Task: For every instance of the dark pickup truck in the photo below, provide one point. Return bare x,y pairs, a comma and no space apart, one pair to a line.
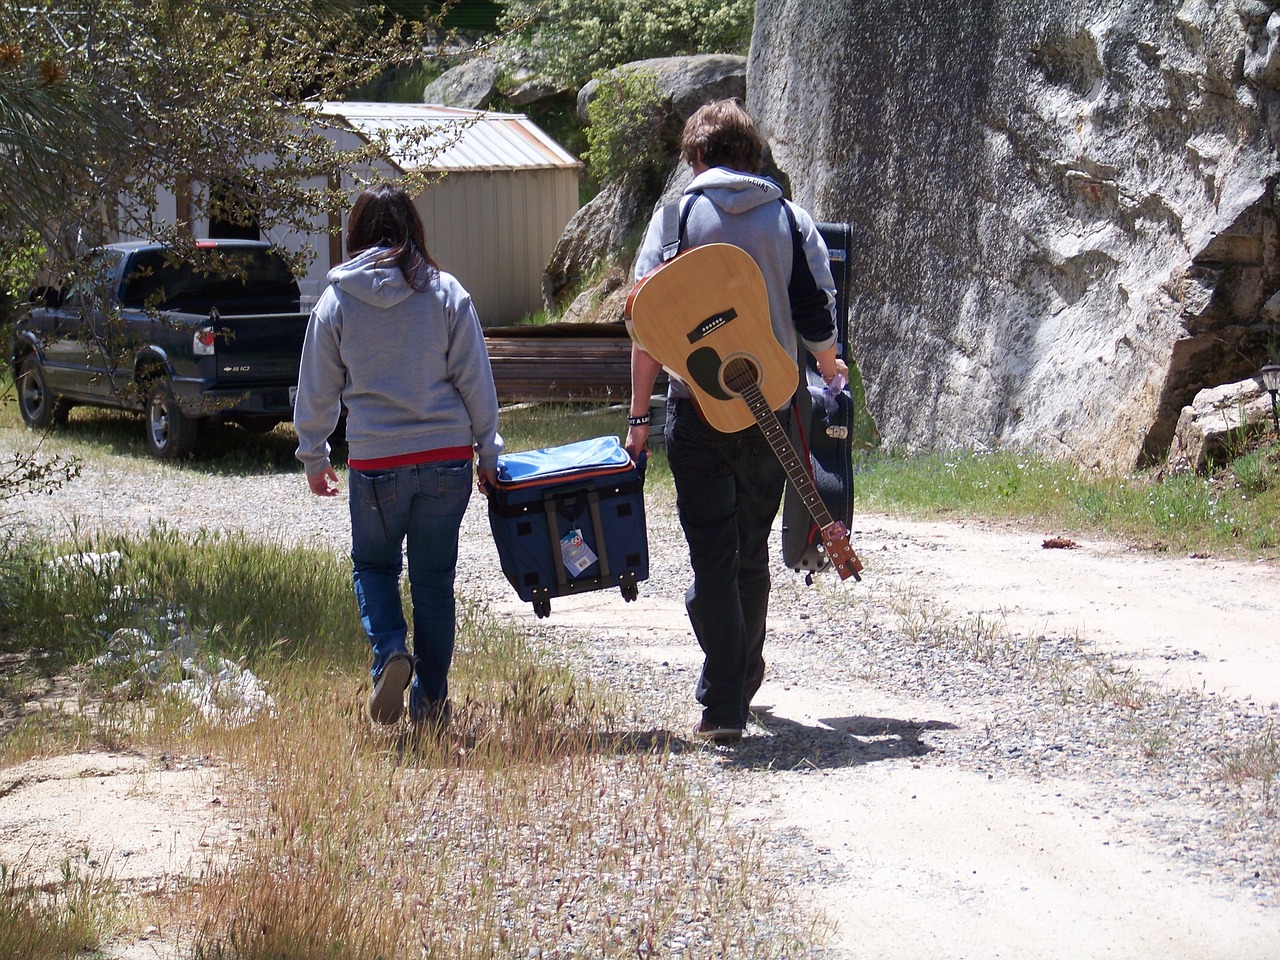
140,331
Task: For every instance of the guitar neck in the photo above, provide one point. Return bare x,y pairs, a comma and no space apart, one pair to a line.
785,451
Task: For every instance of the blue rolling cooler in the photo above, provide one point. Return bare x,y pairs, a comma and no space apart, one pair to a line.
570,519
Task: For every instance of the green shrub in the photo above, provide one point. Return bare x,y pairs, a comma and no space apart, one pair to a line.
568,41
20,260
626,138
1257,472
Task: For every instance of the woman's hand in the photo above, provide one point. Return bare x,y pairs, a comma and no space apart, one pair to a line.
324,483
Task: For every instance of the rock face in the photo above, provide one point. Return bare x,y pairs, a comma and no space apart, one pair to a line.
594,236
608,228
1218,423
472,85
688,82
605,231
1065,210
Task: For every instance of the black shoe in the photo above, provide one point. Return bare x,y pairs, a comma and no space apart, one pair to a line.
386,703
716,732
431,718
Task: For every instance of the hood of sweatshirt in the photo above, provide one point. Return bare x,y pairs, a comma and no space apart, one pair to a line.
377,284
733,191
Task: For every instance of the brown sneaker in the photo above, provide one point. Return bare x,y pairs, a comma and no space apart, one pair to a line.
386,703
716,733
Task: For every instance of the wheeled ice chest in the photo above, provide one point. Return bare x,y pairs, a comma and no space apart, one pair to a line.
570,519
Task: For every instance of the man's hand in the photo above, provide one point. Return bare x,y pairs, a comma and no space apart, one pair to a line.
324,483
487,480
830,366
637,441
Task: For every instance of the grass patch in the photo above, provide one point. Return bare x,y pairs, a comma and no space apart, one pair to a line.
1234,511
53,921
538,822
536,825
93,625
95,435
256,597
1257,762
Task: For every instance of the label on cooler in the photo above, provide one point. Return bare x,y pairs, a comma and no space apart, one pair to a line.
577,555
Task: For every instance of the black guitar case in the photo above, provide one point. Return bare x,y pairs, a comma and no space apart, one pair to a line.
825,436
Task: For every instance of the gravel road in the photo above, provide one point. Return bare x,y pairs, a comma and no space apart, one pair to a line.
986,748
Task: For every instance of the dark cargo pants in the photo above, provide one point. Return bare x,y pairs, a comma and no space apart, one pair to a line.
728,489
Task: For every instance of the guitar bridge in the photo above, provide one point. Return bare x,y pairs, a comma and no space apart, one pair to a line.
711,324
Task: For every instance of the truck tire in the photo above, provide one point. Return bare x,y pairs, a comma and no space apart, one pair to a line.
39,406
171,434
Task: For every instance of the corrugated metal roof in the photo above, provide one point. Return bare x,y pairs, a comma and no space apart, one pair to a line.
451,138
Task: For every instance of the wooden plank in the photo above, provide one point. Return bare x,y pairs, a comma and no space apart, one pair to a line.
561,362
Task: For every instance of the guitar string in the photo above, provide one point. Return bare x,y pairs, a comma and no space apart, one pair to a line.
740,377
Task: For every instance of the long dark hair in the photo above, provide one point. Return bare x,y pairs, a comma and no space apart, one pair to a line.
384,216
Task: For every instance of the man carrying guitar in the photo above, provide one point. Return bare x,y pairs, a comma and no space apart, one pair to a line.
729,485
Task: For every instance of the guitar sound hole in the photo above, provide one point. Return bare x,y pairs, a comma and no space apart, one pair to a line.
740,373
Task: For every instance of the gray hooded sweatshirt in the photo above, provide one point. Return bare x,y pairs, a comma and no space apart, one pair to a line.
726,206
410,367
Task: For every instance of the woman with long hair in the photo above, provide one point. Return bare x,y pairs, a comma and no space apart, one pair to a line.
397,342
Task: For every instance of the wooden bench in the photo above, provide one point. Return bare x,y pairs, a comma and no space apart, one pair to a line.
589,362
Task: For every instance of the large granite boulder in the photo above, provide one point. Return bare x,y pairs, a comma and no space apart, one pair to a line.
606,230
1065,211
687,82
472,85
594,237
1218,425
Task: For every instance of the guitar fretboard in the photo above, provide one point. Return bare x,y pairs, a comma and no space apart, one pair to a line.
740,377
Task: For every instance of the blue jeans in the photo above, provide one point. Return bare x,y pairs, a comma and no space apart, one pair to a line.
424,505
728,490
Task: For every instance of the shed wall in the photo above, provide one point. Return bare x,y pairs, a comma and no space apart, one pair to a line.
496,230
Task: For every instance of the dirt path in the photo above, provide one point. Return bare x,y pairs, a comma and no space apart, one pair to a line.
944,862
932,853
1179,620
937,814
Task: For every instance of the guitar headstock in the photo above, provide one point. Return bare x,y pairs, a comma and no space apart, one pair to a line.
835,538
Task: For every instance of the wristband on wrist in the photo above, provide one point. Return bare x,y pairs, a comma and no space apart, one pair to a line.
640,421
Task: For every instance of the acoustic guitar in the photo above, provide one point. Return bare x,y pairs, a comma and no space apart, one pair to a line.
704,315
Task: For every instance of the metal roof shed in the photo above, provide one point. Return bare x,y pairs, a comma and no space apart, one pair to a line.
496,214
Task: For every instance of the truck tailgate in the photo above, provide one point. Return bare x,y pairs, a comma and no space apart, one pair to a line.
259,349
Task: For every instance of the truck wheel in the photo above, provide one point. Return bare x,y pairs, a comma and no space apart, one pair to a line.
171,434
39,406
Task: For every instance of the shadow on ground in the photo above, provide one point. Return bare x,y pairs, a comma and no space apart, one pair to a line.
778,743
